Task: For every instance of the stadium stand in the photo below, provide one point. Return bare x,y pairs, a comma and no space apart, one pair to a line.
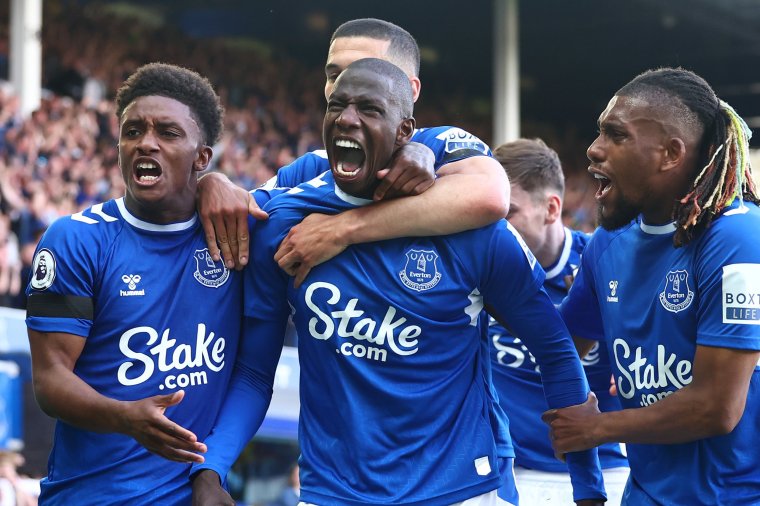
62,158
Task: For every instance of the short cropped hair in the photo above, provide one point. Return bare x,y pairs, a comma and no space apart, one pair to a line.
401,92
402,50
531,164
180,84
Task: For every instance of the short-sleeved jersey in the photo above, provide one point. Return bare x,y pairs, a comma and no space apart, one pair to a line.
449,144
163,316
655,304
395,400
517,377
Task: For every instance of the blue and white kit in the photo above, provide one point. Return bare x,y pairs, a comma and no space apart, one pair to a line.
517,378
158,315
395,387
656,304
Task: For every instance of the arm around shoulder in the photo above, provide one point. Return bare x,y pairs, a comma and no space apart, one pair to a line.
469,193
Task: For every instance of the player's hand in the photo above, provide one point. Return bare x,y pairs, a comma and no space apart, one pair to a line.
208,491
570,428
411,171
316,239
613,386
224,209
145,421
591,502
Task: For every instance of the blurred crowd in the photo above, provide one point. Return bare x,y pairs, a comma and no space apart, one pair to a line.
62,158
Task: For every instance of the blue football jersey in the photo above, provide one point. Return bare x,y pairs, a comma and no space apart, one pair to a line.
517,377
164,316
396,405
449,144
655,304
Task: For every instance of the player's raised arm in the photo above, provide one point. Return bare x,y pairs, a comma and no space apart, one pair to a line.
62,394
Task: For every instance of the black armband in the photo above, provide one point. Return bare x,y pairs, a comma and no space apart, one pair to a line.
53,305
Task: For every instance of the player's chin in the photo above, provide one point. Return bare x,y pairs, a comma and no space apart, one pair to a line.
148,194
611,217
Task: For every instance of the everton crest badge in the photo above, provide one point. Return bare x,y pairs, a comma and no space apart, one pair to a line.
676,296
421,270
208,272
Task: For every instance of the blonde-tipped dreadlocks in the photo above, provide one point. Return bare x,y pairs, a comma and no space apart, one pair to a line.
725,173
726,177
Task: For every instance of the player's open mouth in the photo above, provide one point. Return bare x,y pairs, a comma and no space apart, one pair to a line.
147,172
604,186
349,157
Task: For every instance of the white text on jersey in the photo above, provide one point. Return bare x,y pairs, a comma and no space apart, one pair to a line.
648,376
182,356
363,329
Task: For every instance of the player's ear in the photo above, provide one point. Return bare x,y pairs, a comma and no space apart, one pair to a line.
405,131
416,87
553,208
203,159
674,153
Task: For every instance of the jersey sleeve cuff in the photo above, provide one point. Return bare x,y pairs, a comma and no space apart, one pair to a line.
738,342
76,327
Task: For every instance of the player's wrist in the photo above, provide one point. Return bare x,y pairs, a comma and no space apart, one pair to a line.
350,227
599,432
212,177
206,476
120,420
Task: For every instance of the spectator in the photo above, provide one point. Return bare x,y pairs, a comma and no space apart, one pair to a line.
291,493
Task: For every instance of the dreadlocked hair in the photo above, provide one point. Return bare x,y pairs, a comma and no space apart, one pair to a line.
724,172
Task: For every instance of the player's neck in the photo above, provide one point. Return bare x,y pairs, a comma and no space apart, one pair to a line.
551,250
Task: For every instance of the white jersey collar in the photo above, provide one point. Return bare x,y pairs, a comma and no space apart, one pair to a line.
345,197
563,257
668,228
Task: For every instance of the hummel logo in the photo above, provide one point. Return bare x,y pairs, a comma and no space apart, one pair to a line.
612,297
131,280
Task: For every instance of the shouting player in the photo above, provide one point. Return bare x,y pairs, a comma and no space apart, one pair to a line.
459,159
671,282
395,387
133,326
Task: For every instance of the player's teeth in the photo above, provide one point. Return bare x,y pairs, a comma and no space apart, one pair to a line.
345,143
148,178
146,166
339,170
